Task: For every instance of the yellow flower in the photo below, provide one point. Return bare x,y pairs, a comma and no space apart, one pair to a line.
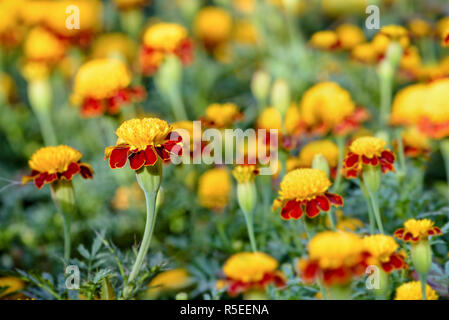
244,6
222,115
390,33
213,26
368,146
112,45
292,119
412,291
168,281
130,4
7,88
408,104
364,53
13,284
303,184
417,230
349,36
333,250
415,142
345,223
380,246
435,113
419,28
125,197
324,40
326,104
42,46
249,267
337,7
270,118
164,36
245,32
214,187
325,147
245,173
54,159
100,79
140,133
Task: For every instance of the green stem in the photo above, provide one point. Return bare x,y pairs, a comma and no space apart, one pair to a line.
444,147
402,169
46,127
67,242
178,108
331,218
250,228
423,280
375,204
386,87
341,153
150,199
371,216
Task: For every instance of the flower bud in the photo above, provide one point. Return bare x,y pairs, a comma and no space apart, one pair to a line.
169,74
255,295
382,291
371,177
385,69
260,85
421,256
182,296
40,95
280,96
320,162
63,195
394,54
247,196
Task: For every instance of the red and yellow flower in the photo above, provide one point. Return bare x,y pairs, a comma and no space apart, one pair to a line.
382,250
367,151
412,291
305,190
416,230
345,37
162,39
334,258
103,86
221,115
142,142
247,271
415,143
50,164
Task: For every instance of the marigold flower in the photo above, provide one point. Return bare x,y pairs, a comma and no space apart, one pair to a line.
50,164
214,188
114,45
245,173
382,250
390,33
408,104
435,114
326,106
168,281
245,32
142,141
131,4
349,36
415,143
102,86
419,28
194,138
251,270
325,147
213,26
364,53
221,115
417,230
306,190
366,151
41,46
12,285
8,90
11,32
412,291
335,258
325,40
161,39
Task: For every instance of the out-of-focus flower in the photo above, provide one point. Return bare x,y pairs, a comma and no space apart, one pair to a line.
415,143
169,281
382,250
221,115
102,86
42,50
419,28
324,40
214,188
412,291
194,137
367,151
245,32
270,119
12,285
328,107
50,164
408,104
244,6
334,258
345,223
162,39
390,33
417,230
11,31
213,26
125,197
305,190
247,271
434,120
131,4
245,173
364,53
142,141
345,37
338,8
325,147
8,90
114,45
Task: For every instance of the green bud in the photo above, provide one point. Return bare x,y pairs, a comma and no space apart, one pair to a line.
382,291
260,85
247,196
63,196
320,162
182,296
40,95
280,96
149,177
385,69
421,256
371,178
394,54
255,295
169,73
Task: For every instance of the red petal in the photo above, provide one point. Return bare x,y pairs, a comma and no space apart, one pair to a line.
312,209
351,160
323,203
399,233
387,156
150,156
366,160
137,160
163,154
334,199
73,169
40,180
86,171
292,209
118,157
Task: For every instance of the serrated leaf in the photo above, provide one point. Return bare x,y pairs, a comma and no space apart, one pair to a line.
83,252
